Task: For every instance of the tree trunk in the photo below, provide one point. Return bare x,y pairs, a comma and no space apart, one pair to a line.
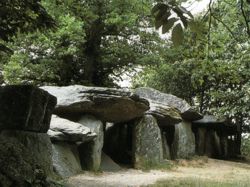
92,49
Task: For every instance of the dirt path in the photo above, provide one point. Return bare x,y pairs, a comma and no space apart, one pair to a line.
199,169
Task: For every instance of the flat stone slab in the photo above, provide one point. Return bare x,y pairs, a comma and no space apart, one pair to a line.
107,104
210,120
65,130
186,111
25,107
164,114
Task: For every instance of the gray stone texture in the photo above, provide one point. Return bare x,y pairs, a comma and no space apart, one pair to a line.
147,143
25,107
107,164
107,104
164,114
65,158
186,111
65,130
91,152
25,159
184,140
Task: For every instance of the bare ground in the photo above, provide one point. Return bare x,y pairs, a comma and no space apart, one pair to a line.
204,169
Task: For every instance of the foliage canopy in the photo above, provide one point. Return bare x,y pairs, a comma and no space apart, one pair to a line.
21,16
94,43
210,69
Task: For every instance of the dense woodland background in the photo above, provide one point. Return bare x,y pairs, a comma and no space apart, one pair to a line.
205,60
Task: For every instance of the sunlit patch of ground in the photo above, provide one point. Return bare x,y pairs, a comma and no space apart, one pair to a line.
195,172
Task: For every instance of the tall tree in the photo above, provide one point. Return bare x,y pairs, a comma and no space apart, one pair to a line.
96,41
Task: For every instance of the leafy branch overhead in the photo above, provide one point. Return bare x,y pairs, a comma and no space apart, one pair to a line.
172,16
21,16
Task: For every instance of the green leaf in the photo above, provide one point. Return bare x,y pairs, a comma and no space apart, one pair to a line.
180,14
159,14
168,25
177,35
158,24
185,11
159,7
196,26
159,21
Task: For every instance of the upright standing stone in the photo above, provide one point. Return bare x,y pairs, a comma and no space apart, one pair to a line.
25,148
184,141
200,141
25,158
91,152
212,146
224,146
147,143
217,146
65,158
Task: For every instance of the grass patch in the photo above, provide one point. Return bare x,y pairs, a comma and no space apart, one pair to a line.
196,161
192,182
164,165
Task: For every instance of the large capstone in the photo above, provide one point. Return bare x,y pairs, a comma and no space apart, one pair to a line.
187,112
25,107
184,140
68,131
25,159
147,143
106,104
66,160
91,152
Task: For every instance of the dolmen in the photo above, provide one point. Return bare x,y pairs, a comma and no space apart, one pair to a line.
56,132
174,117
216,137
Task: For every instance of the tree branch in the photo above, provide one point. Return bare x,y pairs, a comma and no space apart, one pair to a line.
245,17
209,27
229,30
